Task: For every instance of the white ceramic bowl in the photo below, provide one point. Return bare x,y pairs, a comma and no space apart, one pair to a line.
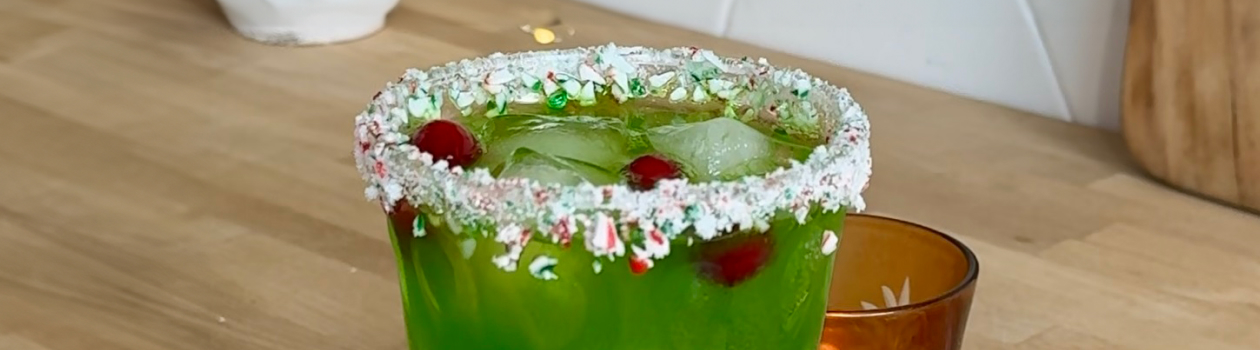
306,22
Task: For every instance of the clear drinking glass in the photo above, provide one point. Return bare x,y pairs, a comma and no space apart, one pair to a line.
523,217
899,286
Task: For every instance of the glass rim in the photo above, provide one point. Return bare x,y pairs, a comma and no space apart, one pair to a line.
833,177
967,281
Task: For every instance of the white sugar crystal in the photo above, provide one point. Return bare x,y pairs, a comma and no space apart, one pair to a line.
509,234
660,80
719,85
587,73
706,227
833,175
508,261
542,267
620,78
393,192
678,94
699,96
829,242
613,58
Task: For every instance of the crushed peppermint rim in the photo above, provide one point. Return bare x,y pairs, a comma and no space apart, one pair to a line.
609,218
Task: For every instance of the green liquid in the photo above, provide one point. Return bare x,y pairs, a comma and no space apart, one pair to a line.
454,301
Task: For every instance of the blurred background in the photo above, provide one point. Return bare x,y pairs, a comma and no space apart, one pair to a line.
1061,59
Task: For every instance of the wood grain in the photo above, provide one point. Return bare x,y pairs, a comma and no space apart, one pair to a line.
1246,78
1191,81
166,184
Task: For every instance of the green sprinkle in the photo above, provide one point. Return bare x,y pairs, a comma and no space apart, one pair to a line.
701,71
636,235
497,105
558,99
417,226
691,212
435,103
636,87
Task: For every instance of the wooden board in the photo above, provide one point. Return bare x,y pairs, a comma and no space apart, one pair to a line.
1191,102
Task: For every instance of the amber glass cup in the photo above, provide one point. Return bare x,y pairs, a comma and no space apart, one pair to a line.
898,285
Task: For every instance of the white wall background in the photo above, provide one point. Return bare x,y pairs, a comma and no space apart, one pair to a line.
1058,58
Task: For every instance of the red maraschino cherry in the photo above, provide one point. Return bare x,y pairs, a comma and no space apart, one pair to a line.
639,265
732,262
449,141
644,172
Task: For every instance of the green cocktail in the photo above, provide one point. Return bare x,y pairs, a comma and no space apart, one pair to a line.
613,198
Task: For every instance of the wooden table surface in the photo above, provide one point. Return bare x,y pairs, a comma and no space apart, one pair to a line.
166,184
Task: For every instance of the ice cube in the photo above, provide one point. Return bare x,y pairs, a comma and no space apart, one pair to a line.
721,149
549,169
593,140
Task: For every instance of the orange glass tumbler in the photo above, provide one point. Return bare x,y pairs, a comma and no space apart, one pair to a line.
898,285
